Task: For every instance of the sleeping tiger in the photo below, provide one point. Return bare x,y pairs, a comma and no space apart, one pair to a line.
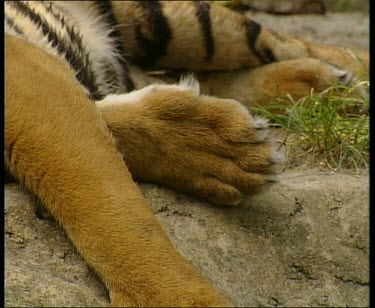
84,123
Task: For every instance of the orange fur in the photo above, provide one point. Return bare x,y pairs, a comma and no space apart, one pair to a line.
63,152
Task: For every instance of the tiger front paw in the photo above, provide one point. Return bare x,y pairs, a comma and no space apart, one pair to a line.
201,145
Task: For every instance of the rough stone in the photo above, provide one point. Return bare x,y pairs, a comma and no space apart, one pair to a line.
304,242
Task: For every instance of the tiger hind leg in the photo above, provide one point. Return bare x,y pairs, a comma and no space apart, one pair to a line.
203,36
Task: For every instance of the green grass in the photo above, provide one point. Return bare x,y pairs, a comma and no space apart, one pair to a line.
324,127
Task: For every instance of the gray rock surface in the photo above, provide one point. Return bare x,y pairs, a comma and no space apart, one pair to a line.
337,29
304,242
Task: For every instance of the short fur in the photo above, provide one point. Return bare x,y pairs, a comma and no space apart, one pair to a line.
69,151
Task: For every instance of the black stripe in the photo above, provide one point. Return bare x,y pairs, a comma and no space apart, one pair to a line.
48,7
78,60
253,30
106,10
12,25
113,77
203,13
114,80
154,47
268,55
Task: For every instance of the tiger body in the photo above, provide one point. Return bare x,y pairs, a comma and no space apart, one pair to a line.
75,113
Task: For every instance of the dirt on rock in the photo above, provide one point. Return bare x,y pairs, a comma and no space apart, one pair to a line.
303,242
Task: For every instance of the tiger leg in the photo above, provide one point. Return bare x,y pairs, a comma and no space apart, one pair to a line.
60,149
204,36
262,85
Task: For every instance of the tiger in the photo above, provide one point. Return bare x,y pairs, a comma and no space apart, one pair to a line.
84,123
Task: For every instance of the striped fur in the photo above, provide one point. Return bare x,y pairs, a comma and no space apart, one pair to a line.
154,46
252,33
203,13
88,37
99,38
88,43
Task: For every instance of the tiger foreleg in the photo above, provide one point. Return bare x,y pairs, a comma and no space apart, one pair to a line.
59,148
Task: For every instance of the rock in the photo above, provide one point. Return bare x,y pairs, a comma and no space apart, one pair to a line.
304,242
